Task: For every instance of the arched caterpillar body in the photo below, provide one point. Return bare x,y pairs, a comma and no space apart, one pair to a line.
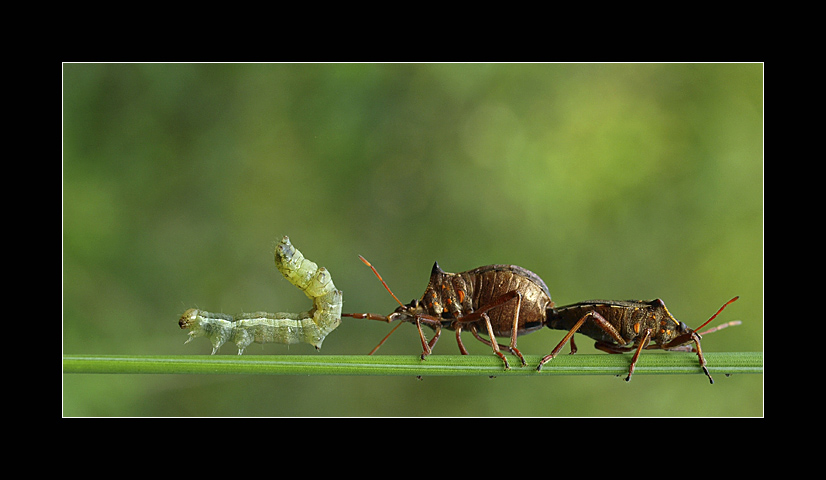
282,327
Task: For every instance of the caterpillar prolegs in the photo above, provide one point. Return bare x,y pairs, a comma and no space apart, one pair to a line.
262,327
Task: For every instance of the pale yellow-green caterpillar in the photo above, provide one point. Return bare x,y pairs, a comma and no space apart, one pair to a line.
262,327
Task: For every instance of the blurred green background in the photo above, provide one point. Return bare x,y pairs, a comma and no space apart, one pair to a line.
619,181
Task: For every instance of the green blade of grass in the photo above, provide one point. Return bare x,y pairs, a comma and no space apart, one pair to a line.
599,364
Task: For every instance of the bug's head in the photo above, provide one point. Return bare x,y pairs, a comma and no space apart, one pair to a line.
684,334
405,313
682,341
669,327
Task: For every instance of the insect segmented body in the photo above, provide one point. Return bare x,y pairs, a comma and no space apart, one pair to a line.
623,326
500,300
283,327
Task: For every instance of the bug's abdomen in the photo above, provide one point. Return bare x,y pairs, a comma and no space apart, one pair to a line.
488,283
621,315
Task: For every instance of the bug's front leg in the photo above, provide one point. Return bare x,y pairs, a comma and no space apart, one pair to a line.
681,344
427,347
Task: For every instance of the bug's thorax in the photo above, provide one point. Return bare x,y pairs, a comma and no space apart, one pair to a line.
441,298
669,327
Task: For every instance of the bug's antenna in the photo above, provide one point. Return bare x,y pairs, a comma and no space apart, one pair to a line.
733,323
718,313
382,282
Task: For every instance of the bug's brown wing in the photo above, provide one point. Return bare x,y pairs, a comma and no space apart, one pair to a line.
514,269
492,281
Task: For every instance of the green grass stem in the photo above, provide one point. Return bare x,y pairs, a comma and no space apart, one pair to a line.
665,363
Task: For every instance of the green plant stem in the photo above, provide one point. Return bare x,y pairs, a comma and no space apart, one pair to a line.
598,364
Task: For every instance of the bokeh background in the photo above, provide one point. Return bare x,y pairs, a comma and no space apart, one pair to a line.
618,181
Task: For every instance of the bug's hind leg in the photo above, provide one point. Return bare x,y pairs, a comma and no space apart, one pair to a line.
493,344
598,319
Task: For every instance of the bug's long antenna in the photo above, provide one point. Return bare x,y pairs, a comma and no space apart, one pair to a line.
720,327
718,313
382,282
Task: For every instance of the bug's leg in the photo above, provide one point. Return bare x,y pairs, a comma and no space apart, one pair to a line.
481,313
512,347
687,347
475,333
435,338
701,357
679,348
427,347
493,343
459,339
561,344
216,344
703,363
646,337
614,348
676,344
598,319
384,339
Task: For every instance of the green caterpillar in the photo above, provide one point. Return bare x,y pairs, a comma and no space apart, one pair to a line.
281,327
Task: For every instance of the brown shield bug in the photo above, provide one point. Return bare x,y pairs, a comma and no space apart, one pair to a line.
500,300
623,326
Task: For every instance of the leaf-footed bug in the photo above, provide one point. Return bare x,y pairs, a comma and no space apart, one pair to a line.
504,300
622,326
